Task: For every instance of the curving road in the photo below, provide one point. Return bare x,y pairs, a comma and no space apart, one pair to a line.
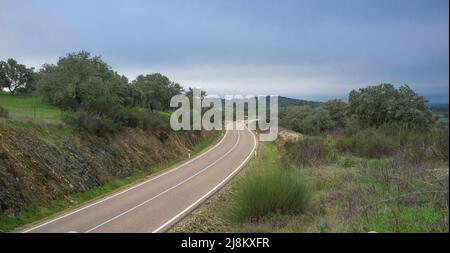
159,202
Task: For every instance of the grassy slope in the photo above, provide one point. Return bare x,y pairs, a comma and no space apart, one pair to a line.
34,213
29,108
25,107
351,195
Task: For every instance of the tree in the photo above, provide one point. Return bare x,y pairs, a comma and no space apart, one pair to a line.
81,82
15,76
156,90
377,105
337,110
190,94
307,120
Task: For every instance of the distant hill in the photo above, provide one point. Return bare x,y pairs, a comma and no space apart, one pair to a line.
438,107
285,101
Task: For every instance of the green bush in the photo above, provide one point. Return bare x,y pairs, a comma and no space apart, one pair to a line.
441,142
4,113
102,125
369,143
268,191
309,151
427,146
307,120
146,120
93,123
391,139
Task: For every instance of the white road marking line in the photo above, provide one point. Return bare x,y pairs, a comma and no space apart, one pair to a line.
126,190
212,191
167,190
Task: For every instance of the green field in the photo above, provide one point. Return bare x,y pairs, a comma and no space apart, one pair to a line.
442,118
25,108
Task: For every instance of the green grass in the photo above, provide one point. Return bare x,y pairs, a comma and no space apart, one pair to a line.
26,108
352,194
404,219
162,113
268,191
204,143
362,195
219,213
165,114
34,213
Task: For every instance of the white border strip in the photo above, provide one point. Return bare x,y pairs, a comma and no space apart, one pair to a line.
128,189
168,224
167,190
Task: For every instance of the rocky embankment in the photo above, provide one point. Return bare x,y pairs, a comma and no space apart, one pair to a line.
39,164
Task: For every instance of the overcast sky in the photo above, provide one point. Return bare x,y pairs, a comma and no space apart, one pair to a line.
303,49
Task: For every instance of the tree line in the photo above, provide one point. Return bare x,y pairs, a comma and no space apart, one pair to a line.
93,95
90,88
79,80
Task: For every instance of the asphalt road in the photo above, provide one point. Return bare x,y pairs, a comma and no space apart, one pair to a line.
159,202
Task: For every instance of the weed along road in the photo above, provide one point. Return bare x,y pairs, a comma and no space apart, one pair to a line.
157,203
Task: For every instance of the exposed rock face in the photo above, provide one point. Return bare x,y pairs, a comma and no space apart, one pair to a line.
43,163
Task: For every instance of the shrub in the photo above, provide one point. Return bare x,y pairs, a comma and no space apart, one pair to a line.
369,143
307,152
3,155
146,120
440,142
397,139
4,113
267,191
427,146
102,125
307,120
93,123
133,117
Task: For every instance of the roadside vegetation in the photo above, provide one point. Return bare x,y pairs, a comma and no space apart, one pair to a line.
13,219
85,92
222,211
377,163
4,113
269,190
76,130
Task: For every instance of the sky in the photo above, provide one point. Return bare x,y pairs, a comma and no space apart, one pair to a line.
315,50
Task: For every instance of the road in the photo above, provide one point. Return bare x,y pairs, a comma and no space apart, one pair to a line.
159,202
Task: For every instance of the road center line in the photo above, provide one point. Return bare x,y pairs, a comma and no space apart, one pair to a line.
169,189
212,191
128,189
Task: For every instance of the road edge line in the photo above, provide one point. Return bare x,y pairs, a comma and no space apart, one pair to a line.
81,208
164,227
